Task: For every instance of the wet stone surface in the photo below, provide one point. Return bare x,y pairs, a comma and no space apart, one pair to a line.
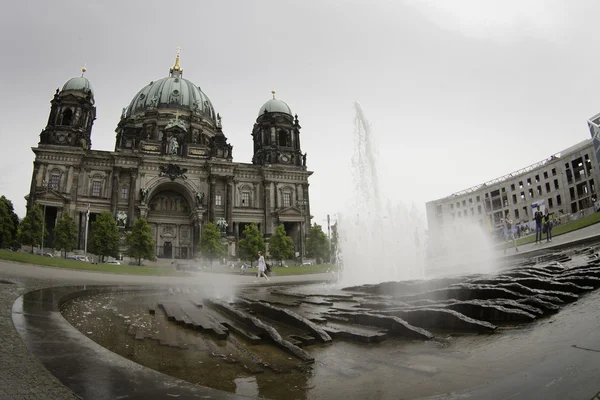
301,342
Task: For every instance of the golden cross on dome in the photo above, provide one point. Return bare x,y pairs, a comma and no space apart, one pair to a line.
273,92
83,69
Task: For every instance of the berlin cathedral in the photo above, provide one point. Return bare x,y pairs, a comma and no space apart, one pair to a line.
173,165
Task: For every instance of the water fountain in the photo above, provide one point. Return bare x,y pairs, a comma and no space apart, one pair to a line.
381,241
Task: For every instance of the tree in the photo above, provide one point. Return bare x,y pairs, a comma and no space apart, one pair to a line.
251,244
30,229
210,245
104,240
65,234
317,245
281,246
139,242
9,224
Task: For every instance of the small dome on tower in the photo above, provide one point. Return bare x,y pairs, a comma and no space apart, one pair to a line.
275,105
78,84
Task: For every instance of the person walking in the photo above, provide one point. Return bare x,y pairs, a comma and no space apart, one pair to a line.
548,225
538,225
509,233
261,267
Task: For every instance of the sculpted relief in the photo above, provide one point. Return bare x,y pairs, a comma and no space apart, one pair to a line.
169,201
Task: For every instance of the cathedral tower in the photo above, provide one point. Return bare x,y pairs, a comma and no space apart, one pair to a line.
276,136
72,114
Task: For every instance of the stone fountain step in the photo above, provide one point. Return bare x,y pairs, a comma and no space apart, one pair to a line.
240,329
274,300
494,313
464,291
265,330
537,283
553,296
355,333
290,318
189,315
405,287
392,324
441,318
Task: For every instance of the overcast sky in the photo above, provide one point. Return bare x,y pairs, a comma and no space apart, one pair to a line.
458,91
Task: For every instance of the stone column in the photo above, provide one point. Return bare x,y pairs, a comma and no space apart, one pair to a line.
267,205
34,180
212,194
132,191
229,205
306,209
75,185
114,200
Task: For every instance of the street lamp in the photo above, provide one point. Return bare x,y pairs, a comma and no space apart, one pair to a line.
302,204
46,187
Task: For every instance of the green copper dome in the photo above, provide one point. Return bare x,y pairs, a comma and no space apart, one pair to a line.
275,105
78,84
172,92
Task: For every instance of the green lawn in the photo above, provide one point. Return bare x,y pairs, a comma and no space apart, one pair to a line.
74,264
144,270
563,228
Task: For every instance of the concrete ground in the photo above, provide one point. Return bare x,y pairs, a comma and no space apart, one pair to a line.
22,376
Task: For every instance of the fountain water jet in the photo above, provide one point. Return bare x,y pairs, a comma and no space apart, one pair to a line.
379,241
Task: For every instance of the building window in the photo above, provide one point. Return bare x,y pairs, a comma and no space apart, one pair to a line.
514,199
537,179
545,175
516,213
512,187
522,195
556,184
54,181
287,199
479,210
452,206
553,171
547,187
528,181
471,200
464,203
96,188
520,184
550,202
218,200
478,199
457,204
531,193
123,193
558,200
539,190
245,199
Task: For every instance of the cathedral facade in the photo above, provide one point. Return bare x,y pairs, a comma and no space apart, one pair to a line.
173,165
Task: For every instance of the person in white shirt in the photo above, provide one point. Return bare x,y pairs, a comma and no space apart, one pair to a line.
261,266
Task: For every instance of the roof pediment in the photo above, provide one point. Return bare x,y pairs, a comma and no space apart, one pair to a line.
50,196
290,214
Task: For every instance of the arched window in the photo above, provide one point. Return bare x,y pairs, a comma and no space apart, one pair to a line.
283,138
67,116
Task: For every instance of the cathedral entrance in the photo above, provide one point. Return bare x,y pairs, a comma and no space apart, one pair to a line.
171,221
168,250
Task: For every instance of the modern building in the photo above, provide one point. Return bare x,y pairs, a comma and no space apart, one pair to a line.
173,165
564,183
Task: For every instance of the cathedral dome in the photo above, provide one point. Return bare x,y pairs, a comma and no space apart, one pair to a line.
275,105
78,84
172,92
